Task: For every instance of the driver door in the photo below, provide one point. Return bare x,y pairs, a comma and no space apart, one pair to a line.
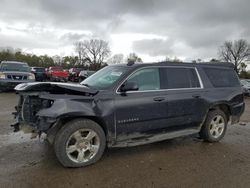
141,112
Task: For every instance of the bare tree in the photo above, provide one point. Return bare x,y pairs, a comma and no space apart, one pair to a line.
79,50
94,51
235,52
175,59
133,57
57,59
214,60
116,59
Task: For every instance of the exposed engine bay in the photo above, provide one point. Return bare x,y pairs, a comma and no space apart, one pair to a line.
26,112
33,98
28,106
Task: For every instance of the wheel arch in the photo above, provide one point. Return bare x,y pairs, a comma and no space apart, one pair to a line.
224,107
51,133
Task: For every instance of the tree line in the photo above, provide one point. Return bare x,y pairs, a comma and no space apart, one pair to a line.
236,52
93,54
10,54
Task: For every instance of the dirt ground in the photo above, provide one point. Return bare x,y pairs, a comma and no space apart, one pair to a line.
182,162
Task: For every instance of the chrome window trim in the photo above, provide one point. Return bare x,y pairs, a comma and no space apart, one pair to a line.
176,89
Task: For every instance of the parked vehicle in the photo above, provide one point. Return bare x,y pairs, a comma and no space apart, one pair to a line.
57,74
40,73
13,73
128,105
74,74
85,74
248,80
246,86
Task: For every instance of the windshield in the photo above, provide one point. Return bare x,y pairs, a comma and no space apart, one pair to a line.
39,69
15,67
105,77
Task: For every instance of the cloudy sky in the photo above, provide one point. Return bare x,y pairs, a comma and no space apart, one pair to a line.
153,29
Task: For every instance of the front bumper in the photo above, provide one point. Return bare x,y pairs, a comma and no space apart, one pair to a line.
6,85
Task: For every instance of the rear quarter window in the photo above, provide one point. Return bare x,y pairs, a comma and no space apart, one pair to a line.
222,77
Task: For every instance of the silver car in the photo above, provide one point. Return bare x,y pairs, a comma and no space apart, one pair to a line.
13,73
246,86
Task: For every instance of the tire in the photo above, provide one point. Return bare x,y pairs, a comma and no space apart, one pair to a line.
69,151
213,129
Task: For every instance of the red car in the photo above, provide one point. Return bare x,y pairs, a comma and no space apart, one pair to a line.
57,74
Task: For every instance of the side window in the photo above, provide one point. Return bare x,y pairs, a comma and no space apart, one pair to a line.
147,79
174,78
222,77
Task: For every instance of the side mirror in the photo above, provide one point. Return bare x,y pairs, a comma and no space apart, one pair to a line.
129,86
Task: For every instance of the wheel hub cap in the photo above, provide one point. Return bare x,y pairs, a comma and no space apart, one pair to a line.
217,126
82,145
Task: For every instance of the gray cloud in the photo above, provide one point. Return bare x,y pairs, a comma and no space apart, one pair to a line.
153,47
70,38
200,25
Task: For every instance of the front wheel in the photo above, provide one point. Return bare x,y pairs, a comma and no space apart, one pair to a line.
79,143
214,128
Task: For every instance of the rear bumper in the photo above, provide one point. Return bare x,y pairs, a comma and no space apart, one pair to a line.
237,110
40,77
11,84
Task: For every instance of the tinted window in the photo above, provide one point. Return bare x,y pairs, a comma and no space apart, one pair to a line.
39,69
15,67
173,78
147,79
222,77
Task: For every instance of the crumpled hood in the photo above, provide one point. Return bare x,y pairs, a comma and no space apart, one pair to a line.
56,88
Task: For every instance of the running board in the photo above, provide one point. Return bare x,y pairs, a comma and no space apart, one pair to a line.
147,139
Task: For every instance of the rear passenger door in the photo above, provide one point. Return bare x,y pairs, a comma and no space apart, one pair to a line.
183,90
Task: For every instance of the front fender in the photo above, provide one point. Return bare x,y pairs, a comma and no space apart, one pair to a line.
51,119
62,107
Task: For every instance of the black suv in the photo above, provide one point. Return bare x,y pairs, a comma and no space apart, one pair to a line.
128,105
40,73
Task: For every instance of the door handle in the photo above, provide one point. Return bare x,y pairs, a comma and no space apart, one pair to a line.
159,99
196,96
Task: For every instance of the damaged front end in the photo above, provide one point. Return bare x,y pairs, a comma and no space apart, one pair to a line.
26,117
35,111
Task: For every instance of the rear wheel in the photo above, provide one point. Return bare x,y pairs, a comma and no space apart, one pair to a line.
214,128
79,143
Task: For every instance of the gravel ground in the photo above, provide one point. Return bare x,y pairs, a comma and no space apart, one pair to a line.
182,162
